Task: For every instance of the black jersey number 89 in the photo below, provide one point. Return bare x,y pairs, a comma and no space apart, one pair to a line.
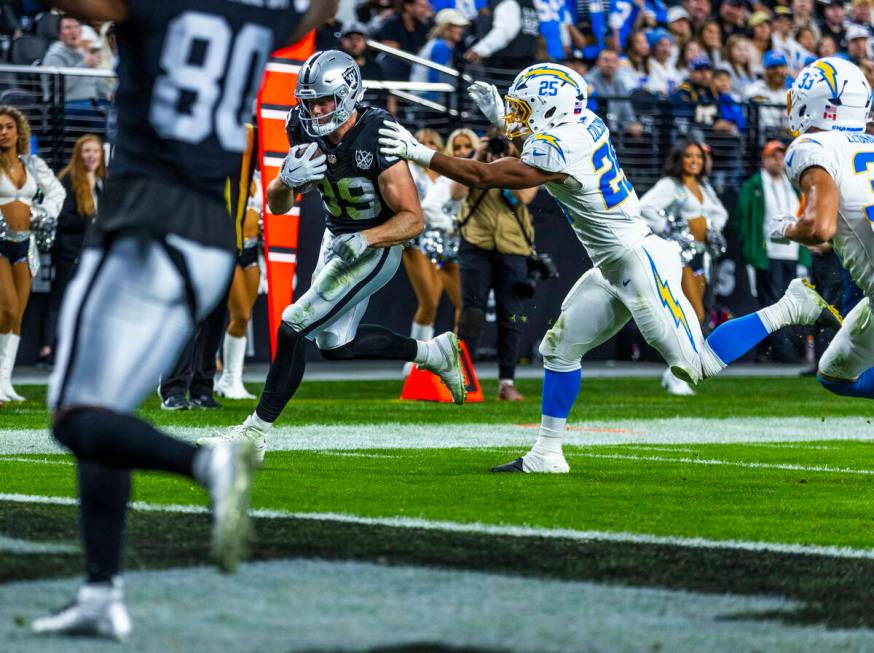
221,56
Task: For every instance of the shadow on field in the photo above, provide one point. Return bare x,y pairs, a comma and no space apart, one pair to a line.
836,592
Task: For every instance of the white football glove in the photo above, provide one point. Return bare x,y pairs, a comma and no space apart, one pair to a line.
396,140
300,169
777,228
349,247
488,99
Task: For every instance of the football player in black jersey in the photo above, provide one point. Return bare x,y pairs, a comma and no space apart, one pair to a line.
157,260
371,208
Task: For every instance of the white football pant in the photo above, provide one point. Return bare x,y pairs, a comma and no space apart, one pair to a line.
331,310
645,284
128,313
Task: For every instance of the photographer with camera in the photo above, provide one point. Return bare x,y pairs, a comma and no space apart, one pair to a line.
497,241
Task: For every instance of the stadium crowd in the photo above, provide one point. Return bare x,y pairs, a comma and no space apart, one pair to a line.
708,61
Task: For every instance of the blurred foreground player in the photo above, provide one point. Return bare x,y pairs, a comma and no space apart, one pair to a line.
371,208
158,259
831,162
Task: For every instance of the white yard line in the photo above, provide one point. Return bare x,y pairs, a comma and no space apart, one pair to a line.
731,463
493,529
682,431
38,461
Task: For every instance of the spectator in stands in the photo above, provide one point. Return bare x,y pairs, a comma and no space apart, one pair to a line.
730,109
805,38
679,25
82,180
699,11
636,61
784,37
737,63
448,32
373,14
768,194
607,82
432,272
328,35
760,37
555,19
802,11
827,47
663,76
625,16
511,40
732,18
408,31
22,178
771,93
67,52
684,192
833,23
691,49
85,104
497,233
711,41
857,46
354,43
860,14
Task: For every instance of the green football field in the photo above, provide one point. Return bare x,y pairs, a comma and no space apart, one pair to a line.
741,519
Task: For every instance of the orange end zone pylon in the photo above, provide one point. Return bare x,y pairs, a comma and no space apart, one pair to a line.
422,385
275,98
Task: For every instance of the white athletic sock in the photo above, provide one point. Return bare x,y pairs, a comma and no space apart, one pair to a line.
506,381
233,355
423,349
257,422
775,316
422,331
549,436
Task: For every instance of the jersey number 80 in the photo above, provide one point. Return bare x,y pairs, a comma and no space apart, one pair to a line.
222,56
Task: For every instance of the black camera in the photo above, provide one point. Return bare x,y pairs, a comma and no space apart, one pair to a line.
541,267
498,146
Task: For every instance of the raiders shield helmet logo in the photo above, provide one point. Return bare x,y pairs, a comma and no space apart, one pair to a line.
363,159
350,77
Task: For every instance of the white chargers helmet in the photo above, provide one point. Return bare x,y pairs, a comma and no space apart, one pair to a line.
329,73
544,96
829,94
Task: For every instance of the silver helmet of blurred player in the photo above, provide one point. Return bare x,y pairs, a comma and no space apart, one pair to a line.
328,74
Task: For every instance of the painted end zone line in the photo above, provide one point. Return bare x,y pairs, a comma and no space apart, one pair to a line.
490,529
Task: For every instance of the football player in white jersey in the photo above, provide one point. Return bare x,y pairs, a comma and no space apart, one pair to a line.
831,161
637,274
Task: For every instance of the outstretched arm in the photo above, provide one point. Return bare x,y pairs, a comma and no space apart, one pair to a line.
511,173
507,172
819,219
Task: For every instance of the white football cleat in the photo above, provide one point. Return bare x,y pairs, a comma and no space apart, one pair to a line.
228,390
535,463
244,432
676,386
444,360
229,471
805,306
97,611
